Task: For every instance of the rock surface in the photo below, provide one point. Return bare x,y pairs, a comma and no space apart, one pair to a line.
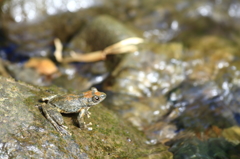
25,133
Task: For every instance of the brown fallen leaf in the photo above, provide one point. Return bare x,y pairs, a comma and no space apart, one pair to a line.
232,134
42,65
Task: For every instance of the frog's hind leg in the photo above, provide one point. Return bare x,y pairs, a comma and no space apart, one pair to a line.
52,114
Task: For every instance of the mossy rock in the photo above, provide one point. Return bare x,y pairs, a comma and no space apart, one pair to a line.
25,133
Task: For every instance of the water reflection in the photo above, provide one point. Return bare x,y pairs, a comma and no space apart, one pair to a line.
234,10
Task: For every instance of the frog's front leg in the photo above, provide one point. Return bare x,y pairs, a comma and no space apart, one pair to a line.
55,118
48,98
80,118
88,113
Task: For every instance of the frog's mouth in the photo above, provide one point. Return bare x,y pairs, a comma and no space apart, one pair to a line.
103,96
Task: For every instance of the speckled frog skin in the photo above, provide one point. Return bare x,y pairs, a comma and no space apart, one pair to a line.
71,103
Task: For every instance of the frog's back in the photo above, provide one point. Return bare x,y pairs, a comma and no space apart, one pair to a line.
69,103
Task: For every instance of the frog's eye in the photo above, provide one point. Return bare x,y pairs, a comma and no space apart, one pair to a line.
95,99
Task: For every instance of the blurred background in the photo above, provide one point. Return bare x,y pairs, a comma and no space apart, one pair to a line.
179,86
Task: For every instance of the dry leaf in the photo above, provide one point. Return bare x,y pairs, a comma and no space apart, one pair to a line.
42,65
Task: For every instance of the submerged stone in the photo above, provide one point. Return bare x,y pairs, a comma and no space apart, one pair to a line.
192,147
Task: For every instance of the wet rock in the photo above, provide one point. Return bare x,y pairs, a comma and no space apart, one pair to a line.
195,148
100,33
201,107
160,132
26,133
21,73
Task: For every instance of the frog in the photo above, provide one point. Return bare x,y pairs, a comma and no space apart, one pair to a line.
56,105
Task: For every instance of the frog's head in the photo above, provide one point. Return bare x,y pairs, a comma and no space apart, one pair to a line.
94,97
